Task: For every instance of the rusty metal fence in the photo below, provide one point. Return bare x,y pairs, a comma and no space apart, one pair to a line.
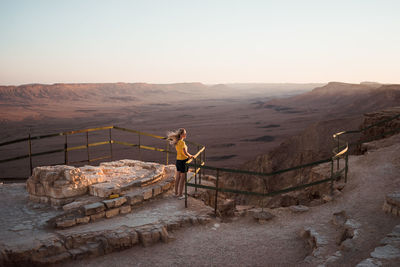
110,141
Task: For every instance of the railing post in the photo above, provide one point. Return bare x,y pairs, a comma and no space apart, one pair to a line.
198,149
140,156
167,152
195,174
87,146
338,147
346,167
30,151
216,194
332,178
111,149
185,189
66,150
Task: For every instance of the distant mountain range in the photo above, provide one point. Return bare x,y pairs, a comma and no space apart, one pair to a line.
140,92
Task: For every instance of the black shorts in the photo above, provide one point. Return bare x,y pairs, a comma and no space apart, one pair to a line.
181,165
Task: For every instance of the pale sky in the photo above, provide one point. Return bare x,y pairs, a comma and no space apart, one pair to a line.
214,41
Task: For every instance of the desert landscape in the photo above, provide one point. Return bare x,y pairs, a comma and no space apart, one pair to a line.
291,117
273,128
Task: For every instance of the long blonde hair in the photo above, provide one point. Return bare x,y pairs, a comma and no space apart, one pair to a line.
174,136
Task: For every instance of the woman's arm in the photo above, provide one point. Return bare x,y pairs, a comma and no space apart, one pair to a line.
186,152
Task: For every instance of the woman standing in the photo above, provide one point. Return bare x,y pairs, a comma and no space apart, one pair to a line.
177,138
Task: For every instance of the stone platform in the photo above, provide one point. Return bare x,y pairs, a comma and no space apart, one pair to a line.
27,239
65,212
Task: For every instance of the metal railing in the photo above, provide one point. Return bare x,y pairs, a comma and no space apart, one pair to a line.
340,151
140,146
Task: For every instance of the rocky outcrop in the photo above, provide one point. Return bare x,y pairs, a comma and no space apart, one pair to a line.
387,254
61,184
382,130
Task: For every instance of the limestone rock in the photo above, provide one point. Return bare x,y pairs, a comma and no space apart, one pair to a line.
93,208
386,252
299,208
83,220
393,199
263,216
134,198
125,209
114,203
61,184
97,216
369,263
112,212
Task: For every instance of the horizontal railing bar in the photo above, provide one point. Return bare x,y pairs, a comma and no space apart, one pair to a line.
138,132
90,145
55,134
87,130
15,158
373,125
196,172
100,158
261,173
144,147
196,155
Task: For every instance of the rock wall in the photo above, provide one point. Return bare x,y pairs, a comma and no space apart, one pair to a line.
383,130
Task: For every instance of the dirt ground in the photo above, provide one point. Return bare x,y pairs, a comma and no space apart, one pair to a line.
243,242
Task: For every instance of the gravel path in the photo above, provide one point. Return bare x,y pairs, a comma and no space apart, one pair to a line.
243,242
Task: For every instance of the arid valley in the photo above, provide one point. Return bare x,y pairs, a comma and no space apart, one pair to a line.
255,127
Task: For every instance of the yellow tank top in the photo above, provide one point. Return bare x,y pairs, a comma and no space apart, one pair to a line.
179,150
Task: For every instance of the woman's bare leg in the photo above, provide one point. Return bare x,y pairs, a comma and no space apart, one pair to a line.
177,179
181,183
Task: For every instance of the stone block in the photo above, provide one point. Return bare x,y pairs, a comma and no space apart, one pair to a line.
134,198
39,199
115,202
386,252
164,235
58,258
386,207
83,220
173,225
166,186
125,209
393,199
97,216
112,212
64,223
147,194
299,208
157,190
57,202
104,189
145,237
93,208
155,236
